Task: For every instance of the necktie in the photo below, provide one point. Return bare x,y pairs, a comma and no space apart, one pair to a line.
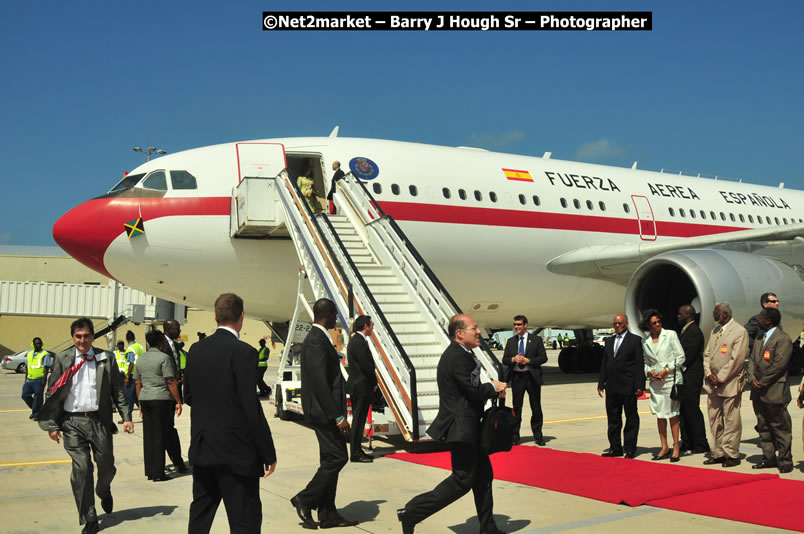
521,350
70,373
617,344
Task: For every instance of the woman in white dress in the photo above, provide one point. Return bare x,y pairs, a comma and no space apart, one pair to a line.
663,360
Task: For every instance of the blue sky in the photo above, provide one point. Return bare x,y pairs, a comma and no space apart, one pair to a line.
715,88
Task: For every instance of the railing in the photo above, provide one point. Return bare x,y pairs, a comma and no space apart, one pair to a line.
319,225
436,297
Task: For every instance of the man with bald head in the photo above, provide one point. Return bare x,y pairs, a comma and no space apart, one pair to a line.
724,359
693,428
622,377
461,401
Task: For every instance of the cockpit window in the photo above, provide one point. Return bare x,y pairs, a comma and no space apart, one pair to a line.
156,180
127,182
182,180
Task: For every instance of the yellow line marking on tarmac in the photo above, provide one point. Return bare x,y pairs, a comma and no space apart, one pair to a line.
10,411
594,417
40,462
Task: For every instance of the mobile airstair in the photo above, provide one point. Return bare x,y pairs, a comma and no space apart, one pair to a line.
362,260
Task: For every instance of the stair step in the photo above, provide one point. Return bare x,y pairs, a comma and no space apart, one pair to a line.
395,307
418,338
393,298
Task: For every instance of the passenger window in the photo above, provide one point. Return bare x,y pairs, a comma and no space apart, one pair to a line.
751,218
536,201
492,196
462,194
377,188
671,211
692,214
602,205
785,220
777,220
703,214
626,208
722,216
413,190
522,199
563,202
445,192
394,189
768,219
712,215
576,203
742,219
682,212
731,216
182,180
478,196
156,180
589,205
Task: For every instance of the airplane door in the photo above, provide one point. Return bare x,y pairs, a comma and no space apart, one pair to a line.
644,212
260,159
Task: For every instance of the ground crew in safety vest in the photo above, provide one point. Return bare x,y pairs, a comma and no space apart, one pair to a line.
262,366
38,361
133,351
179,359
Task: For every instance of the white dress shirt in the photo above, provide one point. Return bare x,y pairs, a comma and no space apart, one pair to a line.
232,330
83,396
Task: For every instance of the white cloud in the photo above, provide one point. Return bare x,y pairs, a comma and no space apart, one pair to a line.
5,238
501,140
602,148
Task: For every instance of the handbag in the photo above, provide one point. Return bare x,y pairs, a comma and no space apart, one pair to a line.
497,428
679,391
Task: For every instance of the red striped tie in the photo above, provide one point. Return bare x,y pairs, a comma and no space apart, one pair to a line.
70,373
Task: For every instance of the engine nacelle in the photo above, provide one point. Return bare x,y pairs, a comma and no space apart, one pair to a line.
708,276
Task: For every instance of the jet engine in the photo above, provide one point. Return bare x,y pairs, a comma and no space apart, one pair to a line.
707,276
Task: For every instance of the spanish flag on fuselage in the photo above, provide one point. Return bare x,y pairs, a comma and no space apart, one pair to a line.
519,176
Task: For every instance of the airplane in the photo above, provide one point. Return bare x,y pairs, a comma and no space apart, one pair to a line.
567,244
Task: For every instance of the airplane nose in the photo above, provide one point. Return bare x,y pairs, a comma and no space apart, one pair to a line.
80,233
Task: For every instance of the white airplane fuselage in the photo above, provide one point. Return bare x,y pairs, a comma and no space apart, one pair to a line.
490,250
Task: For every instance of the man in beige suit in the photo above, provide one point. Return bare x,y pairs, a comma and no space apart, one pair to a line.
770,393
724,358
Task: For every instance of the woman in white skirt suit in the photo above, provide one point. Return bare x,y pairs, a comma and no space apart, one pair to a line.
663,365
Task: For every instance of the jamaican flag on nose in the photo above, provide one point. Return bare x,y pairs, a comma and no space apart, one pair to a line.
134,228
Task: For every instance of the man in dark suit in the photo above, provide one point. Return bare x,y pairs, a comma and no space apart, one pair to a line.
172,442
324,406
693,428
362,383
86,419
622,377
230,442
461,399
524,355
770,393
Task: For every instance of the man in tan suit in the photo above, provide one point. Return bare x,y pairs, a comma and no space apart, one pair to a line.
724,358
770,393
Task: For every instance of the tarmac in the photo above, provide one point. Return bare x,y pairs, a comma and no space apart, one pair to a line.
35,495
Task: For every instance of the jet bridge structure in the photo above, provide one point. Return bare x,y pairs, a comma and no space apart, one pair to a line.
363,261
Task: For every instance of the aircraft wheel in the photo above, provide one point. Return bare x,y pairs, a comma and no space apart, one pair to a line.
565,360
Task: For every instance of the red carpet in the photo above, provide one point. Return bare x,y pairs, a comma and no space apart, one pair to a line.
762,499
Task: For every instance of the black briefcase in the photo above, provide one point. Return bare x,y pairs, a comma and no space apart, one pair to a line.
497,428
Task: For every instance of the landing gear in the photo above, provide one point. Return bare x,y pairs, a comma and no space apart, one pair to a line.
584,358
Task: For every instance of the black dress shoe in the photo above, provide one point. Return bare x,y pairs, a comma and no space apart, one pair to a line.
786,468
731,462
337,521
31,416
701,450
516,440
611,454
303,512
164,478
540,442
107,503
630,454
662,456
363,458
675,459
764,464
684,447
407,524
713,461
90,528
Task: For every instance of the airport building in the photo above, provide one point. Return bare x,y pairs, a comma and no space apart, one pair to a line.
42,290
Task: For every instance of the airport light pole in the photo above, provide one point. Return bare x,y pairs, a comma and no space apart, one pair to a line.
148,151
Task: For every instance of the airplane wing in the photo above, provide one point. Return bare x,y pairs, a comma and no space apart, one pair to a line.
616,263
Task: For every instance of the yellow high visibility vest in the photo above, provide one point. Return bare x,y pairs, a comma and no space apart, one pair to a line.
120,357
36,369
182,359
138,351
263,360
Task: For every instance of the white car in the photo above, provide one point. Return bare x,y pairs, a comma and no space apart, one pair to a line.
16,362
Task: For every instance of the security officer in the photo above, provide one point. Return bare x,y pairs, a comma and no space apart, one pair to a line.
120,358
39,361
133,351
262,366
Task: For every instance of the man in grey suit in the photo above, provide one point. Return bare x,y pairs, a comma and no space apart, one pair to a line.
84,415
770,393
